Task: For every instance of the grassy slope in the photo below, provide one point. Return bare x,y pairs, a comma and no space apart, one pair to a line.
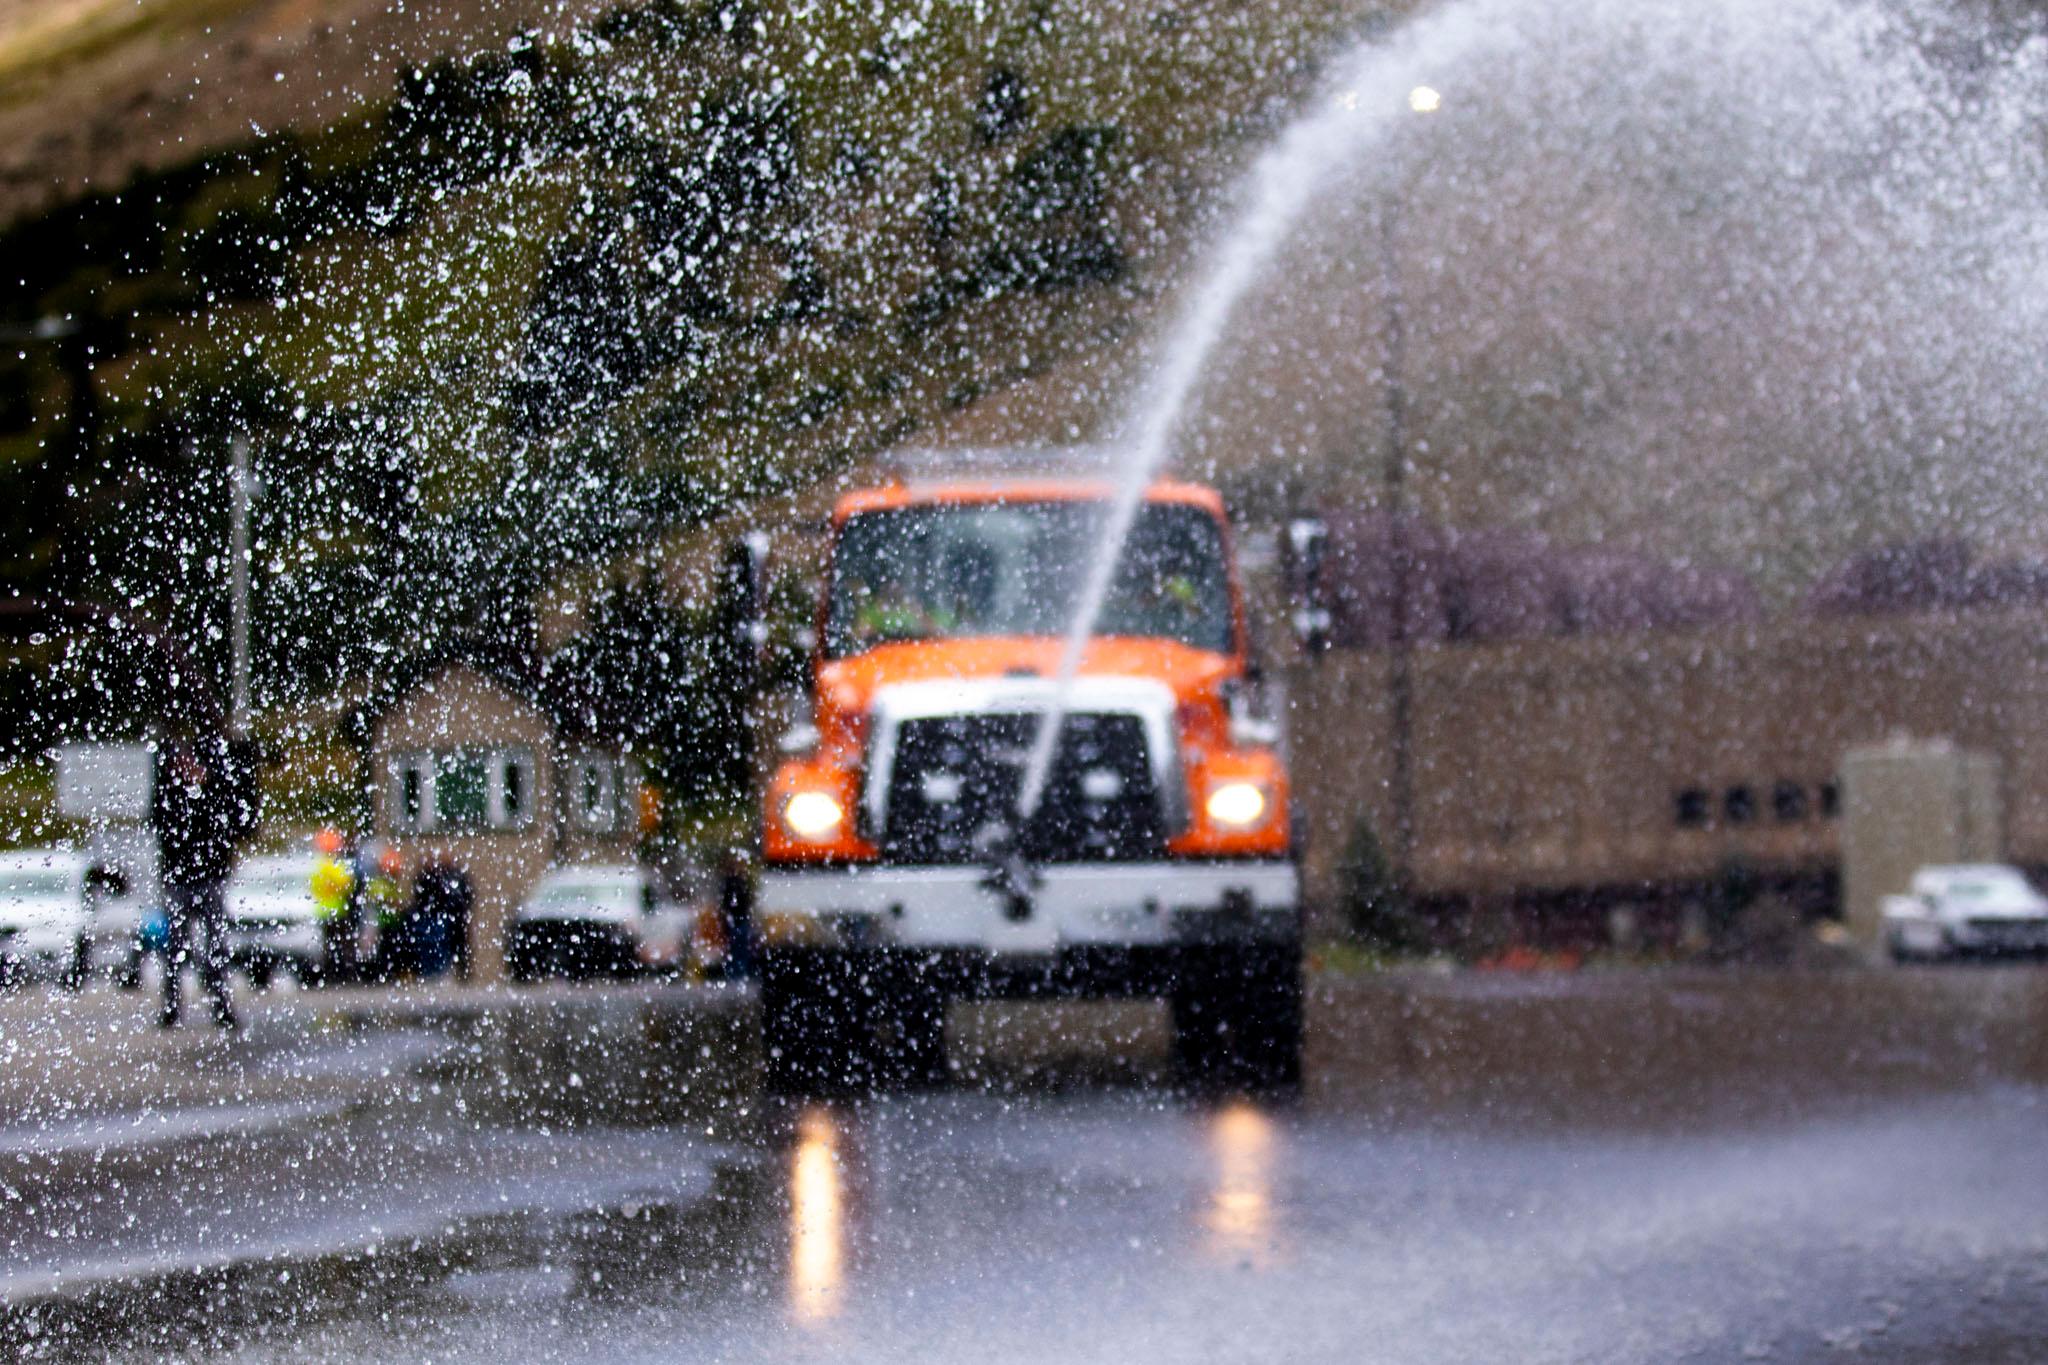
1189,98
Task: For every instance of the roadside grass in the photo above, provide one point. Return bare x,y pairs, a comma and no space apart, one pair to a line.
1343,957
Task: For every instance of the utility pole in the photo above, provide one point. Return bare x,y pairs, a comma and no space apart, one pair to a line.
1394,491
238,592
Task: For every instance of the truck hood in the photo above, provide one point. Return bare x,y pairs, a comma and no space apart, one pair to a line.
847,687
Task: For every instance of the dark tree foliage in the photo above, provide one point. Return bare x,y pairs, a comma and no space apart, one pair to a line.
1058,206
656,265
342,478
1005,106
1377,908
1053,230
688,244
655,678
585,340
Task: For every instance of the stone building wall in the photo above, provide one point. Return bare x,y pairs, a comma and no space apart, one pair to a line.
1600,763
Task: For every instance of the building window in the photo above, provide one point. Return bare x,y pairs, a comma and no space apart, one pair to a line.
1739,805
411,800
1788,802
1830,800
457,790
511,783
1689,808
512,790
594,793
462,790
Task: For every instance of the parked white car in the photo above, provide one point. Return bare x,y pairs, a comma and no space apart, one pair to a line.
45,920
273,923
594,919
1971,908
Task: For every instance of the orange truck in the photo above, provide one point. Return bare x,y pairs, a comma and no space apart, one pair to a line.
898,870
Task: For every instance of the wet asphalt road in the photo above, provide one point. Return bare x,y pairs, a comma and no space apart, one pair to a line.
1086,1215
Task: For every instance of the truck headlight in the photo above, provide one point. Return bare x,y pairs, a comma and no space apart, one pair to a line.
812,815
1237,805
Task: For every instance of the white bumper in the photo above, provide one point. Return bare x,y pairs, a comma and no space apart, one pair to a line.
1121,904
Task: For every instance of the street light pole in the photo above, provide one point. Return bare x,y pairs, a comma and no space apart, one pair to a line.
238,592
1394,494
1394,491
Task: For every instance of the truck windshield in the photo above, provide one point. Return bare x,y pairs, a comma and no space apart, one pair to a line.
982,569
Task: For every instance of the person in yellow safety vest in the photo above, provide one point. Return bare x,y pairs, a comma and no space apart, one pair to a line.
340,916
385,894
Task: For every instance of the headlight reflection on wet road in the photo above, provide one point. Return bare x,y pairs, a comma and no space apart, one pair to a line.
817,1220
1238,1218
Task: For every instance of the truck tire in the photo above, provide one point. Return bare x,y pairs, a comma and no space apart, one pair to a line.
912,1045
818,1015
1237,1019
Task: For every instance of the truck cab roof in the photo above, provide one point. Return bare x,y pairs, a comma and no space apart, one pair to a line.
963,489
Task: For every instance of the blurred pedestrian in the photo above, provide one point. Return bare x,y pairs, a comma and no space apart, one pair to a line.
202,809
736,909
385,893
461,900
437,927
337,904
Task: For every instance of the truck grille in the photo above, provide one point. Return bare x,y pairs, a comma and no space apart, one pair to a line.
953,775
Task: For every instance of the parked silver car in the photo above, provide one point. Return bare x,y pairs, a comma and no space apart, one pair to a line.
273,922
595,919
1964,909
45,920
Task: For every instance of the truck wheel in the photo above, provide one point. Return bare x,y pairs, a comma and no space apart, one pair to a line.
912,1048
1237,1016
817,1024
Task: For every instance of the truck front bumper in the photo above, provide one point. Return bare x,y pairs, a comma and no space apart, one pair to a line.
1073,907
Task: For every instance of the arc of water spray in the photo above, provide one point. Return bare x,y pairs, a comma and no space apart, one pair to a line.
1286,180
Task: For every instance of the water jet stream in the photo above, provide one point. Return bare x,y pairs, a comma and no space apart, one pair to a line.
1287,179
1752,283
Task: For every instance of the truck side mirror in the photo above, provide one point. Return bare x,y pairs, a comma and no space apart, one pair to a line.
742,604
1302,550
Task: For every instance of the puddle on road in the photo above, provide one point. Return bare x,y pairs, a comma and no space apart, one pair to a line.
427,1293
